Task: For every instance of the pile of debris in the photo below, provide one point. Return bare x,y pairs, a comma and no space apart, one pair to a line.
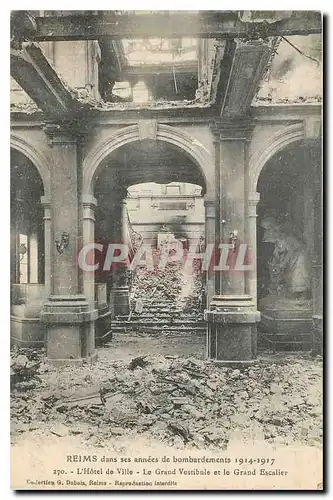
23,370
178,401
157,284
169,284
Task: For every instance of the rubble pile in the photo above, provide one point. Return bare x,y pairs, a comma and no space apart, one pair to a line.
169,284
192,302
179,401
24,370
157,284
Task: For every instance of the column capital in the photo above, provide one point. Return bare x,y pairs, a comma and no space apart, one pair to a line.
253,199
228,130
45,202
88,201
209,203
210,209
72,132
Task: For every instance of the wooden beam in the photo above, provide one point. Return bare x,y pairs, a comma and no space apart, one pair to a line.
32,71
249,65
217,24
160,69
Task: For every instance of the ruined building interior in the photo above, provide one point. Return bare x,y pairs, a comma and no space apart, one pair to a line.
133,126
193,137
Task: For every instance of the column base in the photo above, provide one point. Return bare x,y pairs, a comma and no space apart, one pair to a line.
73,362
70,329
232,329
286,323
235,364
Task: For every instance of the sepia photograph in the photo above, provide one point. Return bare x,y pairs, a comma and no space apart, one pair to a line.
166,250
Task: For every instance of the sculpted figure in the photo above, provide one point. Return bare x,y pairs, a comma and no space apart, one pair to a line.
289,265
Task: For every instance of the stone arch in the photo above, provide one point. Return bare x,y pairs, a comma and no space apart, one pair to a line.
280,140
35,157
192,147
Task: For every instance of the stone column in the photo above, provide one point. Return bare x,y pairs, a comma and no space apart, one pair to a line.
89,204
120,290
218,222
68,316
47,245
251,238
210,239
251,282
90,289
232,314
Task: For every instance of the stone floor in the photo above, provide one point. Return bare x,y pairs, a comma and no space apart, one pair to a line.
127,346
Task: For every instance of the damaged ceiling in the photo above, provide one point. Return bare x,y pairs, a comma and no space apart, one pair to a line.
177,69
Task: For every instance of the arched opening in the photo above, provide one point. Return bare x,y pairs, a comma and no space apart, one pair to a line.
144,190
286,236
27,249
166,214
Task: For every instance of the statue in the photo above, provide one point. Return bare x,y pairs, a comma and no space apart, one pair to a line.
289,266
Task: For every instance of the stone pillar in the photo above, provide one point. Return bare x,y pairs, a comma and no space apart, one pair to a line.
120,290
90,289
68,316
218,223
47,244
89,204
209,239
251,238
251,282
232,314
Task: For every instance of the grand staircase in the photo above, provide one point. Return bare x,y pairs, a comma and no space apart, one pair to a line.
155,316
